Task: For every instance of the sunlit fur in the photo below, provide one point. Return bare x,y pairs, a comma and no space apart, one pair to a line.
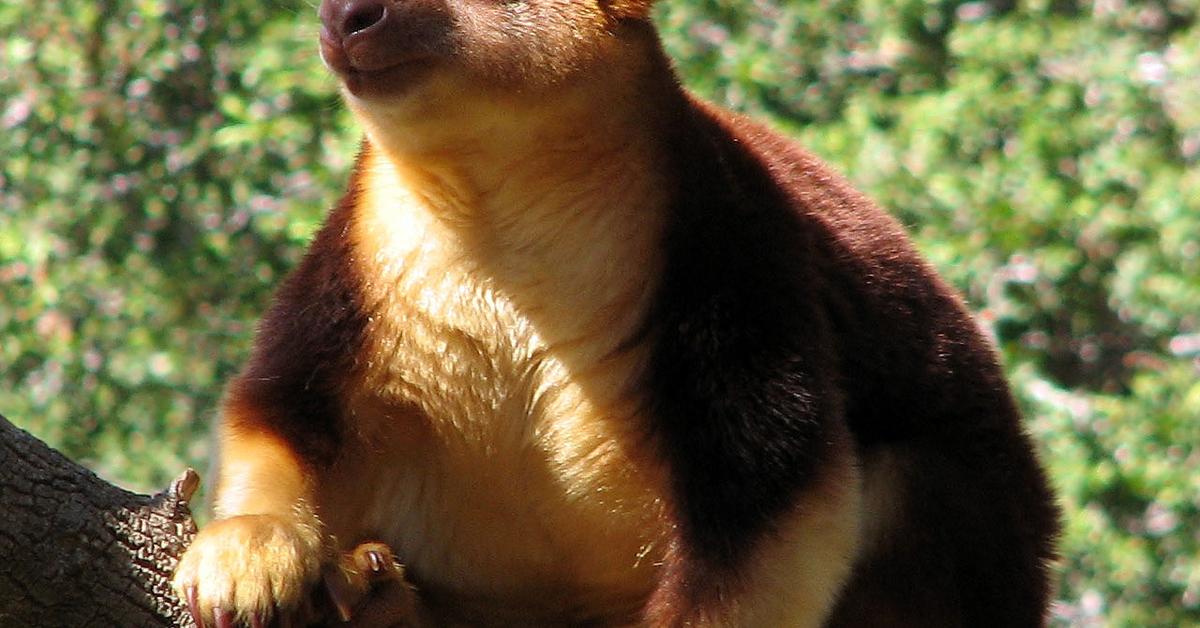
525,481
499,359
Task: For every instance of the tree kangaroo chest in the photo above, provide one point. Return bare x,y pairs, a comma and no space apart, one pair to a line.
511,460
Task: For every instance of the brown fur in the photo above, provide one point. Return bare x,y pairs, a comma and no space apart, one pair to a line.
585,351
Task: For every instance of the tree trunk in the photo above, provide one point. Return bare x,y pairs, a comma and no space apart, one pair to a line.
78,551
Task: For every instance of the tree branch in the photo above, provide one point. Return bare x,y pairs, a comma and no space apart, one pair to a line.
78,551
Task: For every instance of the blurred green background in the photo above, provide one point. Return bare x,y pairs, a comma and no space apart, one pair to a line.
163,163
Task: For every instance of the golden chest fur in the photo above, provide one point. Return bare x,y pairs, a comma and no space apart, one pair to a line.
504,408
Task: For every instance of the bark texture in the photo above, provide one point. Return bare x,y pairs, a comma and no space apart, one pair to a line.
78,551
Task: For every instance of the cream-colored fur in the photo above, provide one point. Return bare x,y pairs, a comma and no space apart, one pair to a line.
512,258
264,512
797,571
516,483
883,473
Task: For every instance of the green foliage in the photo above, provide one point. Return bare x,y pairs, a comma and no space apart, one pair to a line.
164,162
163,165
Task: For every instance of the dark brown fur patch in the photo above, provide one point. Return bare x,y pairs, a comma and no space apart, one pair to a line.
791,303
305,348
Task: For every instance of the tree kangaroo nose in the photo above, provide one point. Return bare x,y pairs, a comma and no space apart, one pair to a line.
345,18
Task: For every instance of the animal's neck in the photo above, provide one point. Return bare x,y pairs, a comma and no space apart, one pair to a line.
562,211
